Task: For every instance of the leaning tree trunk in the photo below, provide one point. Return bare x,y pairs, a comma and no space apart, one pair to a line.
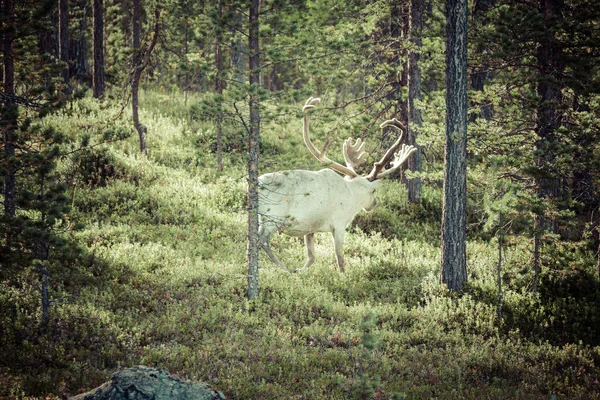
454,265
9,113
253,150
98,79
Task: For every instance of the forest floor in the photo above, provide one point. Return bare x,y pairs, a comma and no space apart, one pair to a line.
162,282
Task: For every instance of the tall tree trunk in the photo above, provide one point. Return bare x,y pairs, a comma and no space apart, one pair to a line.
414,94
140,62
137,72
82,66
98,79
454,266
397,32
548,119
63,38
219,86
8,118
253,150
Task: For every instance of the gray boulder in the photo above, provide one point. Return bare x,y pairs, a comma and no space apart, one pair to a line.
145,383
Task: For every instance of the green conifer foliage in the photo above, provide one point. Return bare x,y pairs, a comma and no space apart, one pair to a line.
33,250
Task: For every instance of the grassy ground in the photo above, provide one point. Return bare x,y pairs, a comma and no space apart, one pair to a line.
162,282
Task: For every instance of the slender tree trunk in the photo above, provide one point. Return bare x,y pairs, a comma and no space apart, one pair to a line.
98,81
139,64
219,87
499,266
253,150
404,34
10,112
82,66
398,79
454,265
414,94
137,72
536,253
63,38
548,119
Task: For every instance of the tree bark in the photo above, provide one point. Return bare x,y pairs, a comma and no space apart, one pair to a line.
415,120
253,150
63,38
98,80
10,112
454,268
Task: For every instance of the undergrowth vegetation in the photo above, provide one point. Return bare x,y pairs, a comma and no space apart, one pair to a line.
160,280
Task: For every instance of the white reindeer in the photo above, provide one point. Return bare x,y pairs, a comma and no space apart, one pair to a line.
300,203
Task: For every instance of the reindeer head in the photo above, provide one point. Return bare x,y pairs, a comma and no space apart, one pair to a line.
355,156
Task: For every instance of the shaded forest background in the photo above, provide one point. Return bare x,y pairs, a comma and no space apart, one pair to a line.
126,129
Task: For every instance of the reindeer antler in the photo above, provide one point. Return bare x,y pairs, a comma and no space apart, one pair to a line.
311,103
400,157
354,154
320,155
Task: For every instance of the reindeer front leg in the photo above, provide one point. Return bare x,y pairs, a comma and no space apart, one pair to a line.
309,241
338,243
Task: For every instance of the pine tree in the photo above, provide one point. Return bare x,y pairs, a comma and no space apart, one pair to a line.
35,201
253,149
454,263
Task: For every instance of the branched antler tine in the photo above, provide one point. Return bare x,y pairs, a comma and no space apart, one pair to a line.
391,152
354,154
310,103
399,158
394,123
320,155
326,146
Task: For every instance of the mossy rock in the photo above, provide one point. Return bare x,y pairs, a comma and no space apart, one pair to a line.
145,383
